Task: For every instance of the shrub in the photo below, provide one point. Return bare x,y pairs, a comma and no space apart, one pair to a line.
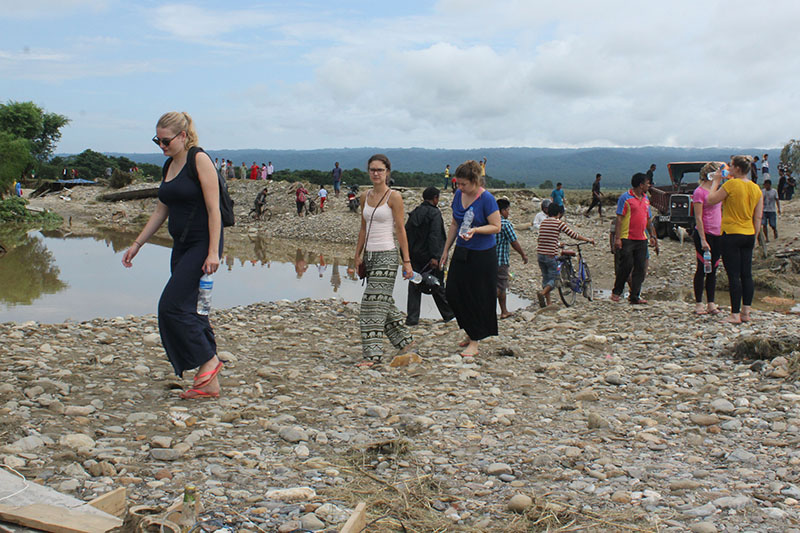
120,179
13,210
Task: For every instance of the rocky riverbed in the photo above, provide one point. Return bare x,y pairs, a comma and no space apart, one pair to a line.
602,416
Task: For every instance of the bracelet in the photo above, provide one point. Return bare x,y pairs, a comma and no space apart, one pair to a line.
406,260
137,242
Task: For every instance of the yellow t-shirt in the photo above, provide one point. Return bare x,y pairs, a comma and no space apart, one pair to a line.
738,207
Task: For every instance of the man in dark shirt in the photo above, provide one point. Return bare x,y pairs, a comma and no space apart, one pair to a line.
596,196
754,170
426,238
651,172
336,175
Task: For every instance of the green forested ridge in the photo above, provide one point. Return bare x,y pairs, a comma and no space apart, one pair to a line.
531,166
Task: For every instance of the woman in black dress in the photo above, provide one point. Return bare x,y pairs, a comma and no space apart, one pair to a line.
192,206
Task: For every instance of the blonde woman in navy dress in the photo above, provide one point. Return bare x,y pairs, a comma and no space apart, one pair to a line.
195,224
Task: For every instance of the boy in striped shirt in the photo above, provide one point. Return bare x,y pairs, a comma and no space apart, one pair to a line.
548,249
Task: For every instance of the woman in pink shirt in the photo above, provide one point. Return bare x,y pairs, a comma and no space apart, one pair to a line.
707,229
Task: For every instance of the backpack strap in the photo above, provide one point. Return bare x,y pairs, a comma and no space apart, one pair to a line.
192,163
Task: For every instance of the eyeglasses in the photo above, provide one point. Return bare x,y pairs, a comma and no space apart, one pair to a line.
165,142
377,170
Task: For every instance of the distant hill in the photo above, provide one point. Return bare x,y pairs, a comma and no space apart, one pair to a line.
574,167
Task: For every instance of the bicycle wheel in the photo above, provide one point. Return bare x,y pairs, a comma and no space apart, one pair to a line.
266,214
253,214
587,283
565,287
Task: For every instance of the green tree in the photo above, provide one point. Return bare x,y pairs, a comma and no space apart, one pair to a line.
15,159
790,155
29,121
546,185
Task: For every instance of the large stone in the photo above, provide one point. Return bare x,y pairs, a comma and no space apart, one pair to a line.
293,434
26,444
519,503
722,405
496,469
77,441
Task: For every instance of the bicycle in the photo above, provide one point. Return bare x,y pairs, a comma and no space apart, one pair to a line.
265,213
570,283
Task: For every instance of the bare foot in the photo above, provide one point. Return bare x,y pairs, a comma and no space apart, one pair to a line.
471,349
464,343
734,318
699,309
713,309
505,315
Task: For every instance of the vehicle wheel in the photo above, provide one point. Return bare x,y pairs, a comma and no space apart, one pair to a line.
661,229
253,214
587,284
565,287
672,232
266,214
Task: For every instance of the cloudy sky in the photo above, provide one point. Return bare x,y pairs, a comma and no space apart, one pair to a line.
443,74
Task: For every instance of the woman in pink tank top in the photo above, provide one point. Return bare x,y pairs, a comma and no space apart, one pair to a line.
382,218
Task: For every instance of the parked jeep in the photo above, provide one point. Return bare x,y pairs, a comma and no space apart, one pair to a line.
674,202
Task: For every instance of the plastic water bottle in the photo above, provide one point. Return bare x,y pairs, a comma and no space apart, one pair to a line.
204,294
416,278
466,224
188,516
707,261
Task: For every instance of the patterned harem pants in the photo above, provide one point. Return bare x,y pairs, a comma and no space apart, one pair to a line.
379,314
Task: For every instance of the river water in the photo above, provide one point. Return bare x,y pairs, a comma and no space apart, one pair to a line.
52,277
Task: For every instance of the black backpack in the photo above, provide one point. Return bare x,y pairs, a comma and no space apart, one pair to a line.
225,201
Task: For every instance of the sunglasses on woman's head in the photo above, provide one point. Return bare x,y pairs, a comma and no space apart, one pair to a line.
165,142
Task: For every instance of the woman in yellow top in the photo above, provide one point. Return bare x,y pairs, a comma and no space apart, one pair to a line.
742,205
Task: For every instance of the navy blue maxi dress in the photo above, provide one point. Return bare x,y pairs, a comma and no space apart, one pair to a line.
187,336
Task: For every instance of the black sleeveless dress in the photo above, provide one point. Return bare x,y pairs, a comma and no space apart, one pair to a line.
187,336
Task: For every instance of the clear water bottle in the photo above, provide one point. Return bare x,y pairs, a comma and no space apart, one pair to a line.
416,278
188,516
707,261
466,224
204,294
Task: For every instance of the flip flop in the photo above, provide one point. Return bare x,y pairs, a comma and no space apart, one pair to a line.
468,354
208,375
366,364
701,312
714,311
197,393
614,297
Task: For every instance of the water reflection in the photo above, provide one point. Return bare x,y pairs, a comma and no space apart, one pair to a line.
60,276
27,269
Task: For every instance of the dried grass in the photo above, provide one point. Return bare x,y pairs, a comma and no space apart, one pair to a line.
407,504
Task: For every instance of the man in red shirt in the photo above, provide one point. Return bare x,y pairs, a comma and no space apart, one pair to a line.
633,219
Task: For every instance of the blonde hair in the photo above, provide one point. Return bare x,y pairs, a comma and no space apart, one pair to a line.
742,162
471,171
178,122
708,168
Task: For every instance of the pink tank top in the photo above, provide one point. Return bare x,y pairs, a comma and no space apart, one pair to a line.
381,233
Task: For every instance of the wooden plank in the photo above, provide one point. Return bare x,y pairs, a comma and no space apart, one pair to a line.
56,519
357,520
114,502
